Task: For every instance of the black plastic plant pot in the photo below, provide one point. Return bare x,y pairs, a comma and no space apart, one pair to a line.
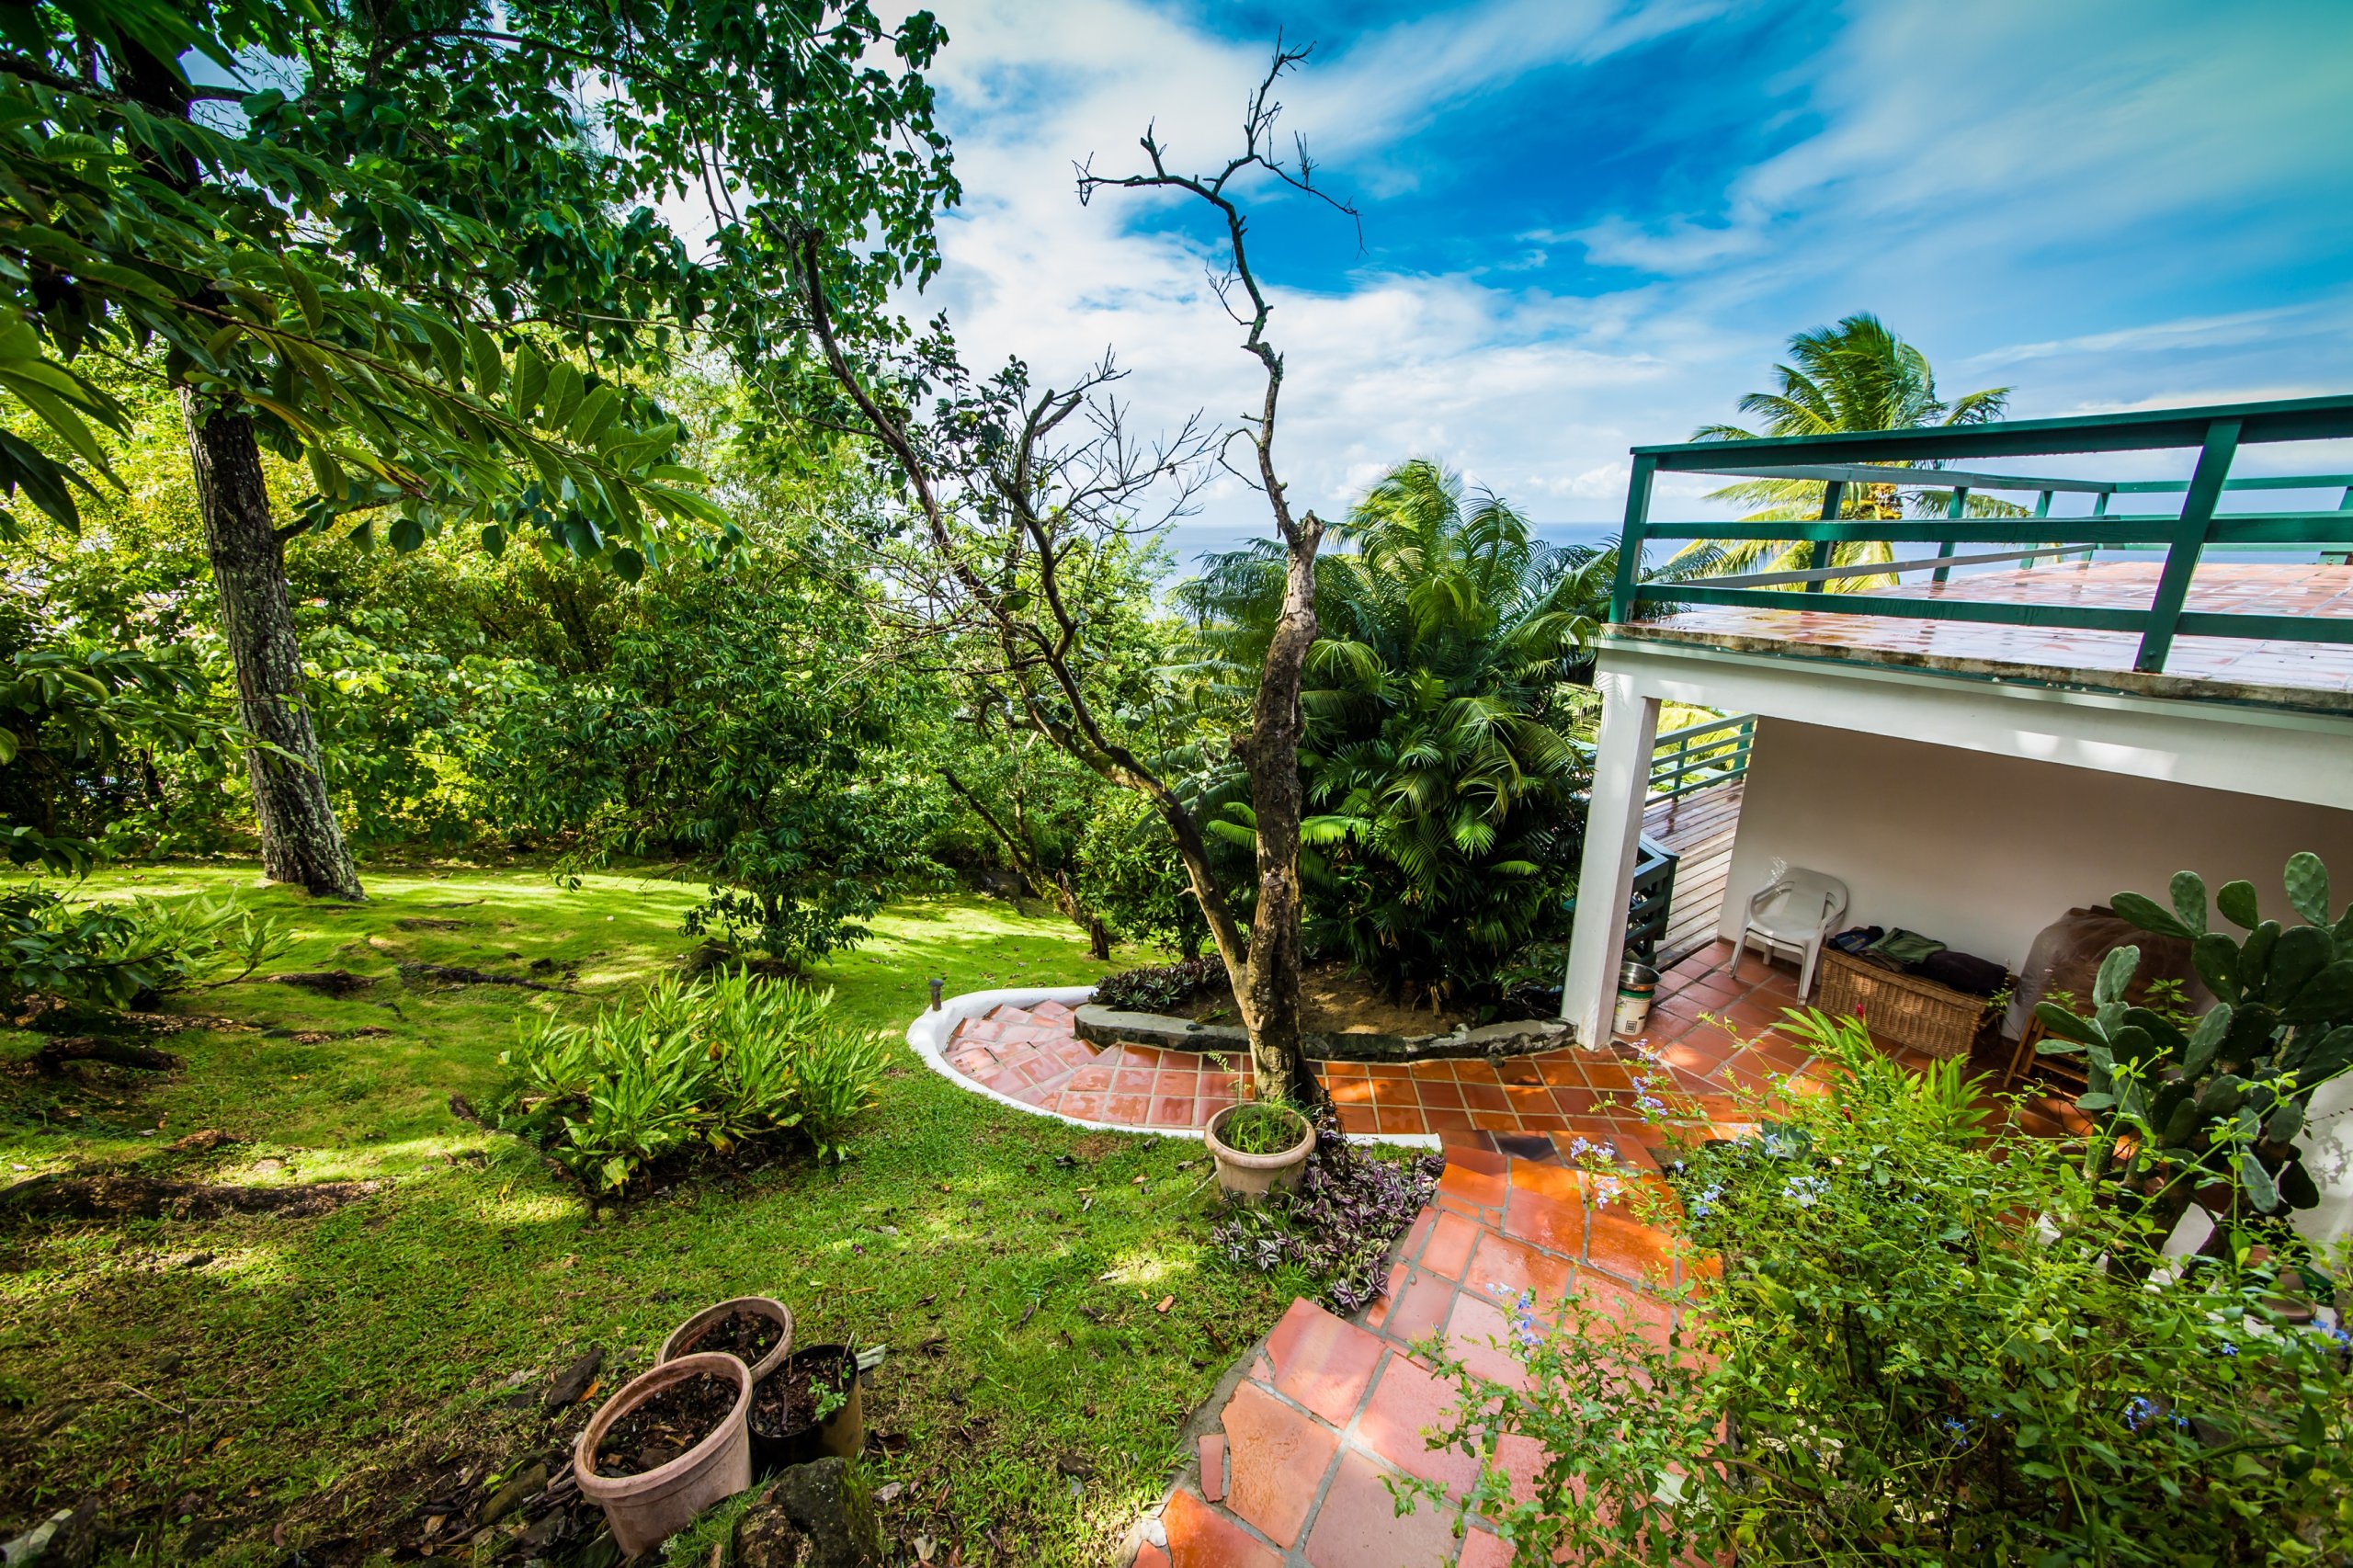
780,1445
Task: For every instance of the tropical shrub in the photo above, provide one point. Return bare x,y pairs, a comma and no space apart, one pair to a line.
1444,753
690,1066
1919,1352
732,724
1156,988
112,953
2209,1111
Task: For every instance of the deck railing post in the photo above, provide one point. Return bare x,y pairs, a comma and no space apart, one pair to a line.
1822,552
2099,509
1958,508
1629,540
2189,542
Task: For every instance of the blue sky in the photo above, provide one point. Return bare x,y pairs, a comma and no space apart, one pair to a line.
1587,225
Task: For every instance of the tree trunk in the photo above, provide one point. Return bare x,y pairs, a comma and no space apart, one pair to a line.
1270,757
300,841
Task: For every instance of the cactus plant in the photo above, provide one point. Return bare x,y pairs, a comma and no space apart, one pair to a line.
2211,1113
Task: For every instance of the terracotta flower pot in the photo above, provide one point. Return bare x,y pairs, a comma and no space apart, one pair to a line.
645,1510
1255,1175
842,1434
682,1338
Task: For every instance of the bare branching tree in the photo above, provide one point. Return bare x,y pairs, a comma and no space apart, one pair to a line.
1016,495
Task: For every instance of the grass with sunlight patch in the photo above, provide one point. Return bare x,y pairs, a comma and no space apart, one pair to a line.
322,1377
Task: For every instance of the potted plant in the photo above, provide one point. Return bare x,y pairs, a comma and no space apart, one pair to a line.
1260,1146
807,1409
755,1330
671,1443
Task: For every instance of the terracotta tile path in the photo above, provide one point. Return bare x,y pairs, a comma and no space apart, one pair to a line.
1707,1033
1292,1471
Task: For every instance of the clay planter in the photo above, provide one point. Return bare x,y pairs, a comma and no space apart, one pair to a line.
1255,1175
682,1338
645,1510
842,1435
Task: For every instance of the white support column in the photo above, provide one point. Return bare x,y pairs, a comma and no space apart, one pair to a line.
1621,772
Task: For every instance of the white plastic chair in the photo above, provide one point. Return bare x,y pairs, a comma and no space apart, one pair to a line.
1796,909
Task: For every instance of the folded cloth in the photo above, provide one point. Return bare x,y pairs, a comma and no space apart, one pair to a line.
1855,939
1964,972
1903,949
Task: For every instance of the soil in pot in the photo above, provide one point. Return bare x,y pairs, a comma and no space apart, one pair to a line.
748,1336
667,1424
786,1429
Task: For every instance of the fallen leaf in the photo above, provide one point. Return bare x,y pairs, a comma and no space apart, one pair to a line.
889,1491
925,1547
1165,1302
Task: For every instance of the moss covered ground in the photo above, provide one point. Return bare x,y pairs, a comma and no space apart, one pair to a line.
272,1385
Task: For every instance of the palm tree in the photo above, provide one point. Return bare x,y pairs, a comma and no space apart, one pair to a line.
1446,727
1855,376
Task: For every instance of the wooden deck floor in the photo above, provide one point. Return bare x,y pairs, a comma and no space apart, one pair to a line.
1699,828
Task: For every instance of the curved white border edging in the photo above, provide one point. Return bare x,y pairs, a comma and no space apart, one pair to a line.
928,1035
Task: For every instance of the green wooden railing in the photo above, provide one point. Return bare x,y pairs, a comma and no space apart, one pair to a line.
1700,756
1924,458
1652,902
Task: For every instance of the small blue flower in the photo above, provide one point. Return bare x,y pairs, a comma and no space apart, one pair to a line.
1803,1190
2229,1348
1959,1429
2139,1411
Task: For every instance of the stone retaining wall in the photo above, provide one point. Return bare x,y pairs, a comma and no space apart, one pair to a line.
1107,1026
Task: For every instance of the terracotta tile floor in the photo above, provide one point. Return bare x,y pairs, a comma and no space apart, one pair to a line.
2320,592
1708,1033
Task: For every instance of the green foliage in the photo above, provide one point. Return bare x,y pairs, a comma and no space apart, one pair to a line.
1443,759
1129,872
2213,1109
108,954
1156,988
351,257
730,722
1919,1352
687,1067
1263,1127
79,722
1855,376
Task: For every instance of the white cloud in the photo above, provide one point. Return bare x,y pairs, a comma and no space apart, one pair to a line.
2002,181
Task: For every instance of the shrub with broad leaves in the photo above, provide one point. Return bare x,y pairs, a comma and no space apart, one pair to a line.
1935,1339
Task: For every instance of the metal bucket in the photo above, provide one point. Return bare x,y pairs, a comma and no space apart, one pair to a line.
1637,985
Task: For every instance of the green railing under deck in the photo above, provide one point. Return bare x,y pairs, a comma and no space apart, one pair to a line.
1701,756
1926,459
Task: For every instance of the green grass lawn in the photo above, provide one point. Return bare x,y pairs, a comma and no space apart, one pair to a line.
319,1378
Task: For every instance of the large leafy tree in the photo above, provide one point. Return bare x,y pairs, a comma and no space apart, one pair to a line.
1855,376
1444,754
737,719
420,246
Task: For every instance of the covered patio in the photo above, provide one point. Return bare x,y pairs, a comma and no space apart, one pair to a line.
2008,726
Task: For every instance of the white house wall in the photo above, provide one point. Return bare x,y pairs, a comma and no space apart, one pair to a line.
1982,851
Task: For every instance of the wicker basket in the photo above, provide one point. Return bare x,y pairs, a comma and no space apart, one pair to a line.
1900,1008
